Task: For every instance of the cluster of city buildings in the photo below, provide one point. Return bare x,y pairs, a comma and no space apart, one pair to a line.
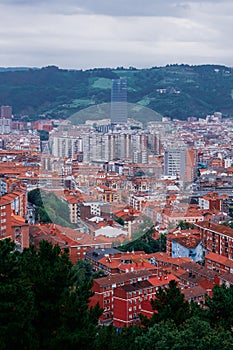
119,179
133,278
13,212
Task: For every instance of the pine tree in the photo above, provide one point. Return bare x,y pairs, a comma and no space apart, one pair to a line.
16,302
220,307
169,304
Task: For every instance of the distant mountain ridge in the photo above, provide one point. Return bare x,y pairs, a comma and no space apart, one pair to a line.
15,69
177,91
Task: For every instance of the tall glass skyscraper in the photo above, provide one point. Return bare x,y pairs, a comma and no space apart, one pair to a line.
119,113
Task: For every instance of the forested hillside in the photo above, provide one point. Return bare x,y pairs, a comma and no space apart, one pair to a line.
178,91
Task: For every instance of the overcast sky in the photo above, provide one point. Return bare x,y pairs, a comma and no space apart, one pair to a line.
107,33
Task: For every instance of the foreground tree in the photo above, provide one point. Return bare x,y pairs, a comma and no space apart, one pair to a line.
17,308
48,271
169,304
111,338
42,306
220,307
78,325
194,334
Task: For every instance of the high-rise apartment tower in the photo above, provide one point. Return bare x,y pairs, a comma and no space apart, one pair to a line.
119,113
180,162
6,112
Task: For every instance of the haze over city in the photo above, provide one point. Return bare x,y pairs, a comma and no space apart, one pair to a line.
77,34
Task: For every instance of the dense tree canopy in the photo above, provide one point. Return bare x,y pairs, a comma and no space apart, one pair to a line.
170,304
44,305
220,307
145,242
194,334
41,305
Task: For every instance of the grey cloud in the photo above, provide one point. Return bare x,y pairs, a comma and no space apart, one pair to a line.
41,33
173,8
132,7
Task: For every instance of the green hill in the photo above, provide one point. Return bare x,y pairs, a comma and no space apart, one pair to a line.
178,91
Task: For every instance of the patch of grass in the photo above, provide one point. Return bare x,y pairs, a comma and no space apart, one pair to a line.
80,102
145,101
102,83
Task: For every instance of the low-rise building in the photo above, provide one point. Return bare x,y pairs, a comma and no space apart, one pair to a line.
216,238
134,299
104,289
185,245
78,243
218,263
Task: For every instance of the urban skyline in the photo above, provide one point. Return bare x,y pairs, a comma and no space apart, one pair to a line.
160,192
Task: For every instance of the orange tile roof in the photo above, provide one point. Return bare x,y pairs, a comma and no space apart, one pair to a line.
216,258
161,280
194,292
124,277
4,201
190,242
165,258
219,259
222,229
137,266
17,220
59,232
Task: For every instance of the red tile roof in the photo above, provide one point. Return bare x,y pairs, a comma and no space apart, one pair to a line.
194,292
162,280
120,278
225,230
